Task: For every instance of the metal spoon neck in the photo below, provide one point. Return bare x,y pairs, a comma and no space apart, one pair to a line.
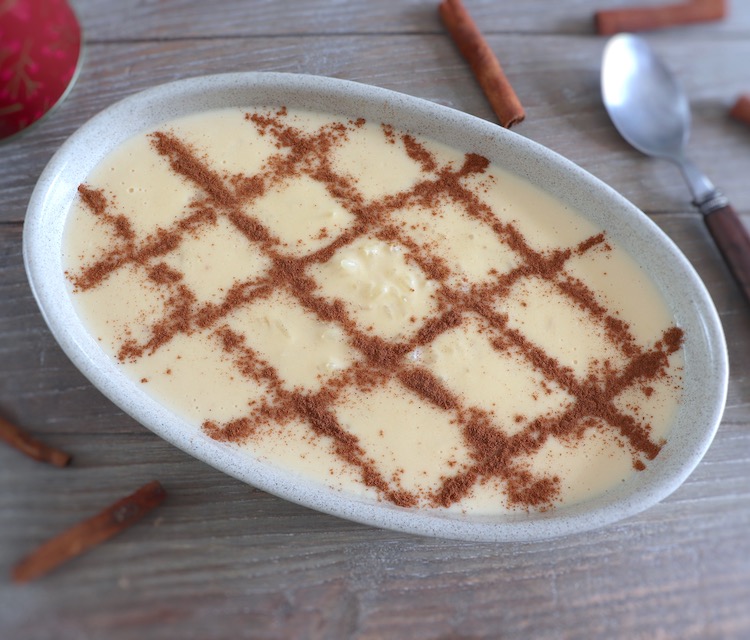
711,202
706,197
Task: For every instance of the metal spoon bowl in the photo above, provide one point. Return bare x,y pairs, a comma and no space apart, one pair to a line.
651,111
644,99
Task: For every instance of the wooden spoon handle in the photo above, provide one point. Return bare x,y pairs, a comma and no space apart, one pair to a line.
733,241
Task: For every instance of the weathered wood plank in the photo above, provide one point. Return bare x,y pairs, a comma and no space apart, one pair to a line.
221,559
556,78
221,555
189,18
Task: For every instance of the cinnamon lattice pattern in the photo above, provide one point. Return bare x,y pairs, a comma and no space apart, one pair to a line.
496,451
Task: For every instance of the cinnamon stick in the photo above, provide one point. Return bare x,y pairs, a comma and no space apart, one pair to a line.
87,534
27,444
484,64
629,19
741,109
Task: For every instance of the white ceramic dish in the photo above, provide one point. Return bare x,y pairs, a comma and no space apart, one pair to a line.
705,372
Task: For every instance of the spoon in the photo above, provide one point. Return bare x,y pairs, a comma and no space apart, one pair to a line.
650,110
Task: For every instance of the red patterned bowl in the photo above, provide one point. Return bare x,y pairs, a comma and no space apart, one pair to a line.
40,53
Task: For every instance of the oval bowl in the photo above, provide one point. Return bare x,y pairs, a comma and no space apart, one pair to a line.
705,369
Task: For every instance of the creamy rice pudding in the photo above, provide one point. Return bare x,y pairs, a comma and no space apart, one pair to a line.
374,311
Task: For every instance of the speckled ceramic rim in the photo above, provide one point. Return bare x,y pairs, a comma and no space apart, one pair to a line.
706,368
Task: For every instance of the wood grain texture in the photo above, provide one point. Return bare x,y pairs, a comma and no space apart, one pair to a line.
556,79
733,241
224,560
190,18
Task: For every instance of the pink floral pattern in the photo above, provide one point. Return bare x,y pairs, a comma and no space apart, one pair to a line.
40,43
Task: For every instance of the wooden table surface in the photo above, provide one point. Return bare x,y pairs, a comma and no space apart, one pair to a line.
223,560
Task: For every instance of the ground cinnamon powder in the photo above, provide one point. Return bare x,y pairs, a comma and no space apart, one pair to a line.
494,453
